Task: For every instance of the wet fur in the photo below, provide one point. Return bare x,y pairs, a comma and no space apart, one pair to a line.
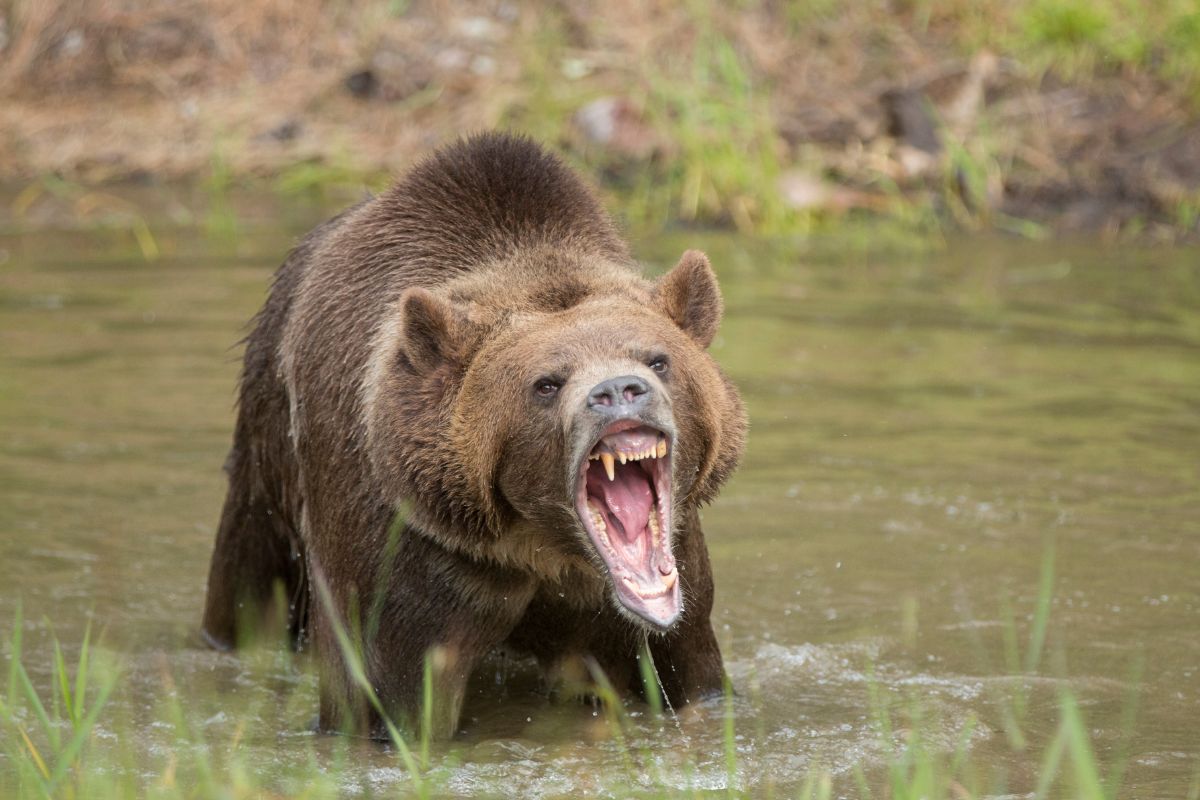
389,366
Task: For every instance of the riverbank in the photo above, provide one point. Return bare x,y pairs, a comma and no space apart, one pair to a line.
1039,116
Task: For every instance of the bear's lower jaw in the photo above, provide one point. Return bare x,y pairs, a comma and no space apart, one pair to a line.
624,503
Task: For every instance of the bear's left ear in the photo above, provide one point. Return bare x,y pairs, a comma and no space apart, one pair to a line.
429,329
689,296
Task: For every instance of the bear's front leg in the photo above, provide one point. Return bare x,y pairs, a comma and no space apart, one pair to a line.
432,610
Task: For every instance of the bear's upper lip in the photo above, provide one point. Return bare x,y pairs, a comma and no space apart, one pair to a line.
623,499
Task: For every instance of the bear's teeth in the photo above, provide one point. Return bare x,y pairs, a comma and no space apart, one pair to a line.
609,468
662,448
654,529
598,523
669,580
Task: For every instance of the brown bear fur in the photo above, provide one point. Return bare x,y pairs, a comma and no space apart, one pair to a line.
392,367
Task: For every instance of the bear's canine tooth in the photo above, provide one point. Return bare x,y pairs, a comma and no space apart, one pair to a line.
669,580
609,468
662,448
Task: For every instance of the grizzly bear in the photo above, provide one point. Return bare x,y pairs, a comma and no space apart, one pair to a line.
466,422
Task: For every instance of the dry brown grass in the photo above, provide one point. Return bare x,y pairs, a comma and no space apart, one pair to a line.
108,89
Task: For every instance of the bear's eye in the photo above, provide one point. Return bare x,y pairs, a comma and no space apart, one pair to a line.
658,364
547,387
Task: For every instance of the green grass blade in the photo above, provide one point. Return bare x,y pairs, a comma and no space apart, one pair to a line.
964,743
1051,762
1116,773
650,684
614,711
387,563
860,781
1041,616
64,684
1088,784
729,739
34,755
1012,648
877,702
426,709
66,758
14,654
81,672
35,703
358,673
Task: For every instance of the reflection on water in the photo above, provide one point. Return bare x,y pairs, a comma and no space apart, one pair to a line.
922,427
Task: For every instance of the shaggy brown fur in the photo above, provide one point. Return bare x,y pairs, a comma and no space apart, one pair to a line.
395,363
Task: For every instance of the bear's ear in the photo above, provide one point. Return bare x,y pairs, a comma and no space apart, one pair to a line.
689,295
429,329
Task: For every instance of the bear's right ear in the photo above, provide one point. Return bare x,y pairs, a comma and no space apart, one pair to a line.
429,328
689,295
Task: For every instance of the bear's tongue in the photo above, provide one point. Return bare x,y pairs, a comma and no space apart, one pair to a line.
628,499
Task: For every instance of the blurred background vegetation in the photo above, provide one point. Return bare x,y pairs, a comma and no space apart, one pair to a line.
930,420
1034,116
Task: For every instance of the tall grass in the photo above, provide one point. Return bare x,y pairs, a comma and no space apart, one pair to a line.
50,730
1079,39
720,86
719,160
57,738
715,110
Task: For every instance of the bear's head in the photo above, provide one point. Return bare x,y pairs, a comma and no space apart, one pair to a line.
573,405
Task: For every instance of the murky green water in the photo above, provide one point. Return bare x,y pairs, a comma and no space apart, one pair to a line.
922,427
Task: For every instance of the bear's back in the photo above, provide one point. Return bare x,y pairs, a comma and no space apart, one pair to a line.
480,199
478,202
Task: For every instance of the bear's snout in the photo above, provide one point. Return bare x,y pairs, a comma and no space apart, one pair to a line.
623,396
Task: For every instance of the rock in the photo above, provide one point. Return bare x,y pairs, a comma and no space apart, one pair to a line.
392,74
362,84
618,126
803,191
72,44
480,28
285,131
910,121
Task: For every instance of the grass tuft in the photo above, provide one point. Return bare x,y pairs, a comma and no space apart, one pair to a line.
52,745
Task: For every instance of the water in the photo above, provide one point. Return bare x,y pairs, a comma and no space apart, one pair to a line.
922,428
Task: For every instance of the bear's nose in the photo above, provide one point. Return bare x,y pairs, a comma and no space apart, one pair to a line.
621,396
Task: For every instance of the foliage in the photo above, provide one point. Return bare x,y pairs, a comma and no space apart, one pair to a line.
57,741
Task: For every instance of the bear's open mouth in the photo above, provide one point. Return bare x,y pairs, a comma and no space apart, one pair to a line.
624,502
